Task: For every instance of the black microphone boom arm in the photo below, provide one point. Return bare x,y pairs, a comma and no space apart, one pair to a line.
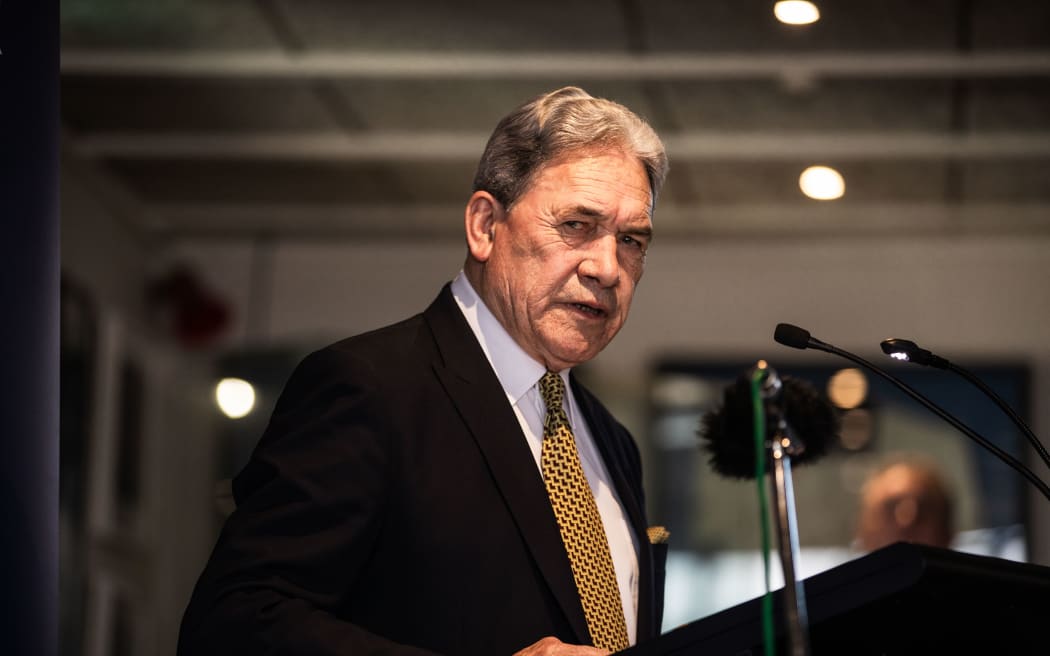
909,351
800,338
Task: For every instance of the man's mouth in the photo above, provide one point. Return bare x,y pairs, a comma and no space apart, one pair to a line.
589,309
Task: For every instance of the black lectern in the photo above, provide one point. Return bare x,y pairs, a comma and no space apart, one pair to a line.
903,599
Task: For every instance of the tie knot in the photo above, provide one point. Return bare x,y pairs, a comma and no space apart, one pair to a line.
552,389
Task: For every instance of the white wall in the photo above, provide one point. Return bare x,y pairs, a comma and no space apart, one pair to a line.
964,297
98,249
152,557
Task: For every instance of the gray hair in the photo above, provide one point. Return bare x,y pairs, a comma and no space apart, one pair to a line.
555,124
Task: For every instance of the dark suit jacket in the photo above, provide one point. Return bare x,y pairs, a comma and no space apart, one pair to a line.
393,507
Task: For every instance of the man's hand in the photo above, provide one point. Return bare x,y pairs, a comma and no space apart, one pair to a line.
551,646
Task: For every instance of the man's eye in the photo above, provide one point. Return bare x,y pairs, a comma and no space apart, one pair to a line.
574,225
631,241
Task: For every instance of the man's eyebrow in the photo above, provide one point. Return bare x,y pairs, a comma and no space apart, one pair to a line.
584,210
595,213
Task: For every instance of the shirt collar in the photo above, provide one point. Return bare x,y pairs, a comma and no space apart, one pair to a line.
516,370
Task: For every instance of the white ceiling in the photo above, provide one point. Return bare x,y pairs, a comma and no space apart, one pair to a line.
324,119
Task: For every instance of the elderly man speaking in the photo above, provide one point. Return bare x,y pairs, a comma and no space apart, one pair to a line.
444,485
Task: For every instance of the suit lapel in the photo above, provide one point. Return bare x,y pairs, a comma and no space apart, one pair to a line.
467,377
603,429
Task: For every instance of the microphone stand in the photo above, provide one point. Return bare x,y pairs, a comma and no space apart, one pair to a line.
781,448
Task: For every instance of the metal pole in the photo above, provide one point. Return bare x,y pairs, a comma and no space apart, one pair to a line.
795,614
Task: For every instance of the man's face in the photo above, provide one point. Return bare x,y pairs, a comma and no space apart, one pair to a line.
566,258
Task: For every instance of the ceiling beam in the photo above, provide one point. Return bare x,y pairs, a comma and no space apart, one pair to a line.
467,146
792,67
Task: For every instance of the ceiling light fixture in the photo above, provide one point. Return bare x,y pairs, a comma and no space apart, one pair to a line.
796,12
822,183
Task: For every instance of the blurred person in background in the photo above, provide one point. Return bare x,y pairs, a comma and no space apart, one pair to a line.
906,500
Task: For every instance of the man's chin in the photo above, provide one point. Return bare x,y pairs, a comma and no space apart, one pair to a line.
571,355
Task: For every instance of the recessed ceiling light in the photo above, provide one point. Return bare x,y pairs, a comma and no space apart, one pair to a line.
822,183
796,12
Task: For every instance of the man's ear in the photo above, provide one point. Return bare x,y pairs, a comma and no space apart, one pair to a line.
480,218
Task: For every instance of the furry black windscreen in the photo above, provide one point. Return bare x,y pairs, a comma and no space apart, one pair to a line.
727,433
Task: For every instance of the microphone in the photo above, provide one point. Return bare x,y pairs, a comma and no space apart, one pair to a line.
799,338
908,351
798,424
726,433
795,337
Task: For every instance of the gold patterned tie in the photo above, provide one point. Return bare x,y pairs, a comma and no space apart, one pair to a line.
579,522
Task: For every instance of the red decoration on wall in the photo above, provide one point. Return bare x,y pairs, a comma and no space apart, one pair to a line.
196,316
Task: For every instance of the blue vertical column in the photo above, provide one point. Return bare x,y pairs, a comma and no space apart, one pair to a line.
29,340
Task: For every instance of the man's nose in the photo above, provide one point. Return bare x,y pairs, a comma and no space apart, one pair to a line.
601,261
